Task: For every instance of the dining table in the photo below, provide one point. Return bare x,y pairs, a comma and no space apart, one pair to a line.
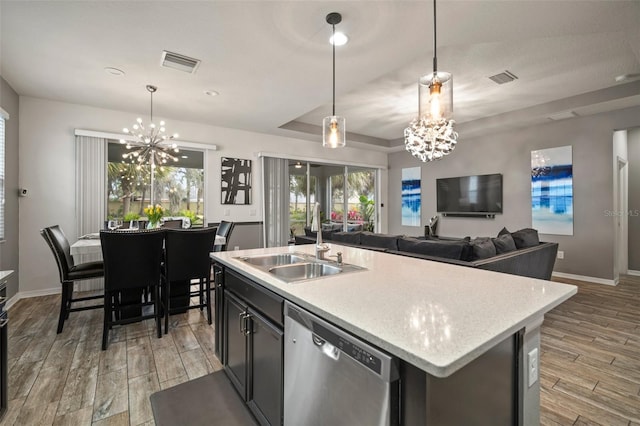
90,244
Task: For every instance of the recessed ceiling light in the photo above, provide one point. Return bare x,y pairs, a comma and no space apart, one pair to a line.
113,71
339,39
211,93
184,156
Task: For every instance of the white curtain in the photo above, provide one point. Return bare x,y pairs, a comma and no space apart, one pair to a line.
276,201
91,198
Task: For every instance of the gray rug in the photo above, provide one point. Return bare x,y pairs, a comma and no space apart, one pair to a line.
208,400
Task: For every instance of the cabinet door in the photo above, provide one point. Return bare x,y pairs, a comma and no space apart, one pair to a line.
265,391
235,342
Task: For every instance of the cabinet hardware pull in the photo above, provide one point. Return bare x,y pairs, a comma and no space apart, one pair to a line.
241,322
3,322
2,299
247,328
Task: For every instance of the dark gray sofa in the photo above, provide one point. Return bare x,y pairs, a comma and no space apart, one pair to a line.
528,257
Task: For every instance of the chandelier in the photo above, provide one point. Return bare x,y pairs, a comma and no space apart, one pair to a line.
333,126
150,144
431,136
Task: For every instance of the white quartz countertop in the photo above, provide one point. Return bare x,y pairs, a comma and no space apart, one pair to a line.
5,274
436,316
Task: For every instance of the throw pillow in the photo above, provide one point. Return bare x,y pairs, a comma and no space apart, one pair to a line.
504,243
483,248
503,231
526,237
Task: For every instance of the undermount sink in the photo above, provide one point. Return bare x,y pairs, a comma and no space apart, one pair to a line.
292,267
275,259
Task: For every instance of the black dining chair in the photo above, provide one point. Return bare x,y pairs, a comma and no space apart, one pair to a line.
224,230
186,260
172,224
132,262
70,273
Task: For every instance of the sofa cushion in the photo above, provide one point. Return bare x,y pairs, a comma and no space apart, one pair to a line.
370,239
526,237
447,249
483,248
503,231
308,232
504,243
351,238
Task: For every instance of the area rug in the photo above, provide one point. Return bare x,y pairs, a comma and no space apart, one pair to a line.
208,400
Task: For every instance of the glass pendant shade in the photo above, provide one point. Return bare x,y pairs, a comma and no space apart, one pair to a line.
334,132
435,93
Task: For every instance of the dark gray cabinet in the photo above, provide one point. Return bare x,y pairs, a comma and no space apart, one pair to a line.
253,346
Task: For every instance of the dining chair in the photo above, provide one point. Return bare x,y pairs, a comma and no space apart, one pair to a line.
131,264
224,230
187,259
172,224
70,273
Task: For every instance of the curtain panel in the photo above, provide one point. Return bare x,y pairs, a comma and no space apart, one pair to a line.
91,195
276,201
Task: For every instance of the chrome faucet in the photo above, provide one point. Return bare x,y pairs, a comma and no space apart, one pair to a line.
321,248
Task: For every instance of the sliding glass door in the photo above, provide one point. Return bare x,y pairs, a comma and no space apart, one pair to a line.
346,195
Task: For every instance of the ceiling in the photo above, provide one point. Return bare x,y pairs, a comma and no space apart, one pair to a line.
271,60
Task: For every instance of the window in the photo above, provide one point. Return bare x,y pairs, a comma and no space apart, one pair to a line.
179,188
3,117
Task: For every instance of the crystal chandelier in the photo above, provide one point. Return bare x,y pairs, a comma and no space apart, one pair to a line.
431,136
333,126
151,144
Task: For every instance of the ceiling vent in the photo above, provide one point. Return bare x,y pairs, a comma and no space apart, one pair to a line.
179,62
504,77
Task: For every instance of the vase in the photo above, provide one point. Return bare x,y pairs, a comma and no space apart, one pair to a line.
153,225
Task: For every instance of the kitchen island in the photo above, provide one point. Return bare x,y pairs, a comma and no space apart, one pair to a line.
448,325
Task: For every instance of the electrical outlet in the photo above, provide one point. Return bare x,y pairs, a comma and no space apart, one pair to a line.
560,254
532,365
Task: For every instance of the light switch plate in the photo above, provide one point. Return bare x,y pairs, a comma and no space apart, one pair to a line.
533,365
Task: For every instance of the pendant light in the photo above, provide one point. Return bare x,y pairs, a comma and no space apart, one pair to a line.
333,126
431,136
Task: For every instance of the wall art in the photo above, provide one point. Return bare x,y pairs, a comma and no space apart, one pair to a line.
552,190
236,181
411,196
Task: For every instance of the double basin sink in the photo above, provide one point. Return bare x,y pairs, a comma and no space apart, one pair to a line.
292,267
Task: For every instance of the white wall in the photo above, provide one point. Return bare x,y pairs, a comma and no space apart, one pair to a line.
46,164
589,251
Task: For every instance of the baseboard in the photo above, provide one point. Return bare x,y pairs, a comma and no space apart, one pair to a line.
32,293
634,273
594,280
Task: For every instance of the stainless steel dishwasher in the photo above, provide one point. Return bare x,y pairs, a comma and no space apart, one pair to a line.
333,378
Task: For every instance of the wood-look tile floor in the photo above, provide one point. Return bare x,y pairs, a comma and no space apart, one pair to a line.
590,357
589,372
66,379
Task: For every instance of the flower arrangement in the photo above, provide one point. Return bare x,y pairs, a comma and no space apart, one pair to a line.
154,213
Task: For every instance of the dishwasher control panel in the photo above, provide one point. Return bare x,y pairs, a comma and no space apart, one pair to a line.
355,351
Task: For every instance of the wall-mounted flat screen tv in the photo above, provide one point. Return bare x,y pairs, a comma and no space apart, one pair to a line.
480,194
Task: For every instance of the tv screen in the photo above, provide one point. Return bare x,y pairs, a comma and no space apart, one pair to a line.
470,194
